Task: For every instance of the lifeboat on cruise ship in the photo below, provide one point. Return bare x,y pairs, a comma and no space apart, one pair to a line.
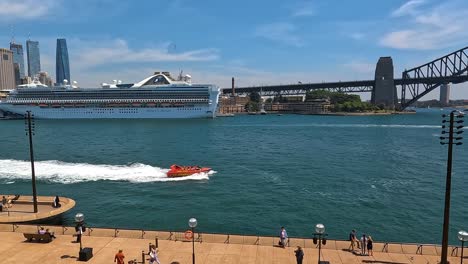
181,171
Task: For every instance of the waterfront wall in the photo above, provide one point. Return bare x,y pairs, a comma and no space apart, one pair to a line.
388,247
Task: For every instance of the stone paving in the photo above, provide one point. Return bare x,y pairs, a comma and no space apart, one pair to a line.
213,249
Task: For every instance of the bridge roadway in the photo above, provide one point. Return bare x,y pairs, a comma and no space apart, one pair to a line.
346,87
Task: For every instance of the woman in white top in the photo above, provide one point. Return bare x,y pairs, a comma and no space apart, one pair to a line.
154,255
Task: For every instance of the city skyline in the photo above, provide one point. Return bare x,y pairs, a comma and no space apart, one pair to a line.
307,41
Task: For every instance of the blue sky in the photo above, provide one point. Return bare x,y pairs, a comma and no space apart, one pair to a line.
257,42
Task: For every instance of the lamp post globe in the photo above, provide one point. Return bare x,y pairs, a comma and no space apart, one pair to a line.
79,217
192,222
319,228
463,236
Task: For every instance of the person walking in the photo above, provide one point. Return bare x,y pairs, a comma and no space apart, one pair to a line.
153,255
119,257
353,240
370,246
299,255
283,237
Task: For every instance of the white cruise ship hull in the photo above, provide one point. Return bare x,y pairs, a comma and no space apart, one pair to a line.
111,113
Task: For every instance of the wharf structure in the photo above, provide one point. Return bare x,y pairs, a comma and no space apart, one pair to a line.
209,248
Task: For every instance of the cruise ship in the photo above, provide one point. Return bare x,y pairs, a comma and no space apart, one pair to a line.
158,96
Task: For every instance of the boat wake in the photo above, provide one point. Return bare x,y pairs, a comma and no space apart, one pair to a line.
64,172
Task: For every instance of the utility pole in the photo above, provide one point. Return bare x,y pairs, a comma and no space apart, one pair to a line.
29,122
455,127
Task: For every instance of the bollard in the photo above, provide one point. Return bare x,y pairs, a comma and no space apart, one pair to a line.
143,256
156,242
149,247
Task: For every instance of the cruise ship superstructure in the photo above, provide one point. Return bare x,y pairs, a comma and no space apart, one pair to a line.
158,96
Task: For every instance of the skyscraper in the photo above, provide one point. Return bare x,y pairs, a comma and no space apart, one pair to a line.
445,94
7,76
18,61
34,58
18,57
62,67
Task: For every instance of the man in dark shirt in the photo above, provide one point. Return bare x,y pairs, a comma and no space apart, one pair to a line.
299,255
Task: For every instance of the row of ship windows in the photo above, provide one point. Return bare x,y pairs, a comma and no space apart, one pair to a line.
115,93
121,111
109,97
125,107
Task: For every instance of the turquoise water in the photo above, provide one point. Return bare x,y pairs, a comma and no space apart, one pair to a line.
381,175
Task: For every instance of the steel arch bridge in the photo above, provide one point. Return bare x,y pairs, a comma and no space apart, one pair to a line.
414,84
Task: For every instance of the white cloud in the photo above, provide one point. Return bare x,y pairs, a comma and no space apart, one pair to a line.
408,8
304,9
434,27
88,54
281,32
26,9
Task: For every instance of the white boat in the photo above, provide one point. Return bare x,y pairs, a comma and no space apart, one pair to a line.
157,96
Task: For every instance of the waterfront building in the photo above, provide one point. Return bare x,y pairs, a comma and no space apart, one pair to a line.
26,80
18,58
44,78
444,94
62,67
7,76
34,58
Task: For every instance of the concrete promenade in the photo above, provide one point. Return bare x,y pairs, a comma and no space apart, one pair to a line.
209,248
22,209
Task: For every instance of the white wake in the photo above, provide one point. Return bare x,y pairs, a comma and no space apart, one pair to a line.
64,172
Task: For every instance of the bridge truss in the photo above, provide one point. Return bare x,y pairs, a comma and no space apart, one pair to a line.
415,83
450,68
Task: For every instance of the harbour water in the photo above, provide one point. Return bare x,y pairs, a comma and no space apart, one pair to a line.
381,175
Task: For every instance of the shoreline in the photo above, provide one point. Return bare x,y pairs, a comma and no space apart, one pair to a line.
205,248
178,235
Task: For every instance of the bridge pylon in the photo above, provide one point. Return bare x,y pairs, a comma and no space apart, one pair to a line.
384,92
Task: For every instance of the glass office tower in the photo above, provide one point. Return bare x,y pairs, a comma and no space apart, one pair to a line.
18,58
62,67
34,58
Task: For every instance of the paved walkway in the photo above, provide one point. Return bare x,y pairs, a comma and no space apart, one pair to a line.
14,249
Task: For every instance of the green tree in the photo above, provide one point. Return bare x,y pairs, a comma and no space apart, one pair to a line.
255,97
252,106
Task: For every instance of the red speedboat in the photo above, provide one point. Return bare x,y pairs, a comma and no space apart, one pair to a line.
181,171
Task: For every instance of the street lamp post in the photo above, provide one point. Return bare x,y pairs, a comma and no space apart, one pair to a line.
29,122
320,238
455,125
192,224
79,219
462,236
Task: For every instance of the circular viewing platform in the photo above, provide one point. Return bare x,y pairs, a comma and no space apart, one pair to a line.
20,208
